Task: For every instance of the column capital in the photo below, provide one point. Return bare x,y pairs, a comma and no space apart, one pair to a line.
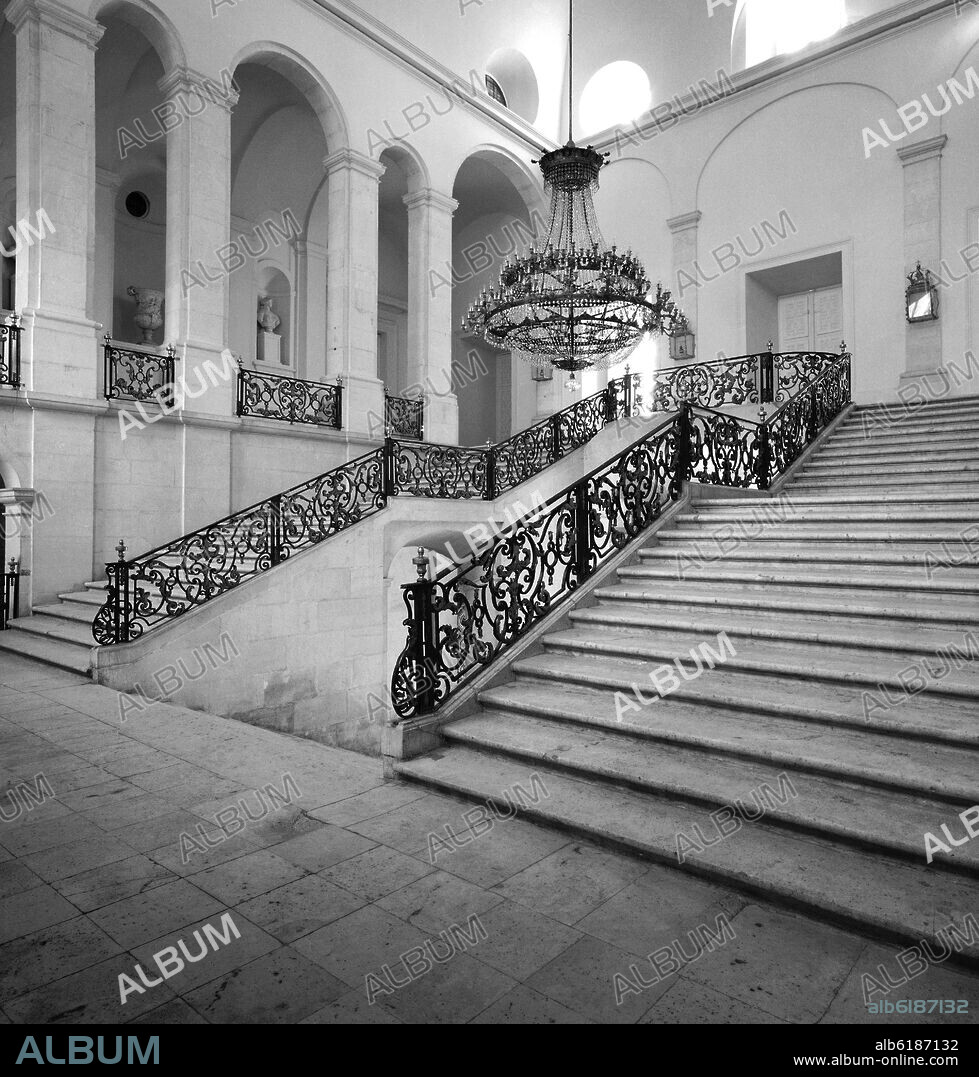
922,151
684,222
56,16
354,162
187,80
430,199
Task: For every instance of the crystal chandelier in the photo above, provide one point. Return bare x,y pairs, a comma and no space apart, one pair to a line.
572,302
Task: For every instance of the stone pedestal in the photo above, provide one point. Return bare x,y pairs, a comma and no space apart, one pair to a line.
269,348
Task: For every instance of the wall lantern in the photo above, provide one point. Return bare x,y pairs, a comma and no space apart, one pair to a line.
542,370
682,340
921,298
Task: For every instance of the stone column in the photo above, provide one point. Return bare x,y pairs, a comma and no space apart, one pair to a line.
106,195
200,254
430,311
684,229
353,181
922,163
56,195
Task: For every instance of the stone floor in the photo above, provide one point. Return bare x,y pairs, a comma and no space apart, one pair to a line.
333,895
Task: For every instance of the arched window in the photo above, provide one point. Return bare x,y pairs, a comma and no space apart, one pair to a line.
618,93
776,27
495,90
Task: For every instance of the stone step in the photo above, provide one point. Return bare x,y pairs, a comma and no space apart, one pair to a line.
910,440
906,585
929,407
56,627
858,532
909,467
880,605
69,611
824,805
926,768
680,558
809,661
787,511
66,656
846,484
888,457
823,630
913,427
876,893
932,498
84,598
840,705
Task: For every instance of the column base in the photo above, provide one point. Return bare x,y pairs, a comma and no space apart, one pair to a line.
61,354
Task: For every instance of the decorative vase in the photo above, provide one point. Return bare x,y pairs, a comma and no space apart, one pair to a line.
267,318
149,310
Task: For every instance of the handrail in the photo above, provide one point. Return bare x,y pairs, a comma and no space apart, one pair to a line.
470,613
168,581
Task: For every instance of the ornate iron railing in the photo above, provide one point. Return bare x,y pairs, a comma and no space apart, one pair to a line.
134,374
763,378
457,473
470,614
10,334
404,417
290,400
177,577
11,594
189,571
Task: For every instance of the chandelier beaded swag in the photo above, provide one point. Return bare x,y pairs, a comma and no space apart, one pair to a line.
573,302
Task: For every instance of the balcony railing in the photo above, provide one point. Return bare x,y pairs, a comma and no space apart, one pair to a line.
10,333
290,400
133,373
11,594
404,417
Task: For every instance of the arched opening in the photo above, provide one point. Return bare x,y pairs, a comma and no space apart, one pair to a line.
616,94
279,207
513,76
496,392
131,159
767,28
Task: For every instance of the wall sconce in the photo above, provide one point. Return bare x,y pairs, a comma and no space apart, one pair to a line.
921,298
682,340
542,371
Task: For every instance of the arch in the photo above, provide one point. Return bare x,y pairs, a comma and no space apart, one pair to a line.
515,75
965,56
770,104
297,70
643,161
617,93
519,173
151,22
411,163
739,33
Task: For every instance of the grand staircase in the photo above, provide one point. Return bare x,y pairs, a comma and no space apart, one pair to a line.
840,606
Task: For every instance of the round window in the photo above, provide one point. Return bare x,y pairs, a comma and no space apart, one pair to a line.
137,204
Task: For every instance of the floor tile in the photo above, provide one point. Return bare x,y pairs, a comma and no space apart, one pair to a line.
300,907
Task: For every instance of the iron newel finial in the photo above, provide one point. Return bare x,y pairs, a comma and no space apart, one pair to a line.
121,550
420,561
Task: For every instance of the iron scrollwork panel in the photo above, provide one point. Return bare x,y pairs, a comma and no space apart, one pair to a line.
440,471
293,400
724,450
196,568
524,455
404,417
139,376
710,385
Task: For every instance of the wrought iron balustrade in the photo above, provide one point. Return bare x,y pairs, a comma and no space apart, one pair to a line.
469,615
177,577
291,400
135,374
10,610
763,378
404,417
10,334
